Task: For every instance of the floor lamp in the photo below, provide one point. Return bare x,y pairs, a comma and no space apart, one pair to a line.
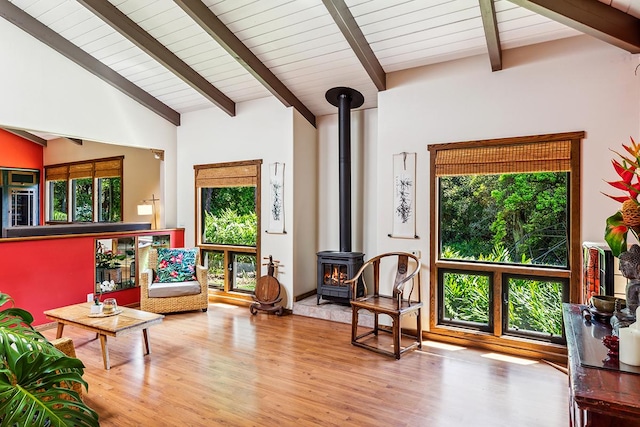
149,209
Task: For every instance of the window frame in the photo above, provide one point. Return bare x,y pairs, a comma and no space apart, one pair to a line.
500,336
109,167
228,174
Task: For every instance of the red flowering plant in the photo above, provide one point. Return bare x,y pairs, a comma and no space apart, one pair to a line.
628,217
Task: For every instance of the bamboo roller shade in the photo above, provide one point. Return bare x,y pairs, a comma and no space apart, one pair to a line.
108,168
532,157
227,176
95,169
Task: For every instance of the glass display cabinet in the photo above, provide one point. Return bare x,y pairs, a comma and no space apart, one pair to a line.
122,259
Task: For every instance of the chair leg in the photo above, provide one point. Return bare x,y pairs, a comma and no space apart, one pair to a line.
419,328
354,324
396,335
375,323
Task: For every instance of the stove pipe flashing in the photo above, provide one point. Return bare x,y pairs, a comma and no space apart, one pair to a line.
345,99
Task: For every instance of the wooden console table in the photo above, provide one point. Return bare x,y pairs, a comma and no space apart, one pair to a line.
599,397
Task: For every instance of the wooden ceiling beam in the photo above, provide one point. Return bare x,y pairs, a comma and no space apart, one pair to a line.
591,17
209,22
134,33
27,135
352,32
491,33
35,28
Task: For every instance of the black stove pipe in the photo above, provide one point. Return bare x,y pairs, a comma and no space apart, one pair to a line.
345,99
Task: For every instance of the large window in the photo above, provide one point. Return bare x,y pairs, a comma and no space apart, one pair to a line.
88,191
506,228
228,206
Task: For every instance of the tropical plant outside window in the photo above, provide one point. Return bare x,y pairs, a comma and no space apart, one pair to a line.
110,201
82,199
228,224
58,207
505,235
511,218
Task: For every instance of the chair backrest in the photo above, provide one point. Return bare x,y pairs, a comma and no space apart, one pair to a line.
407,268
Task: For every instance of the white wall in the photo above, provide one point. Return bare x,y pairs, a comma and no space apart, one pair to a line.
43,91
261,129
305,206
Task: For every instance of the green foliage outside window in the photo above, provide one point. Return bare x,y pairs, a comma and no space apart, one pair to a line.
534,305
110,199
83,199
230,216
524,213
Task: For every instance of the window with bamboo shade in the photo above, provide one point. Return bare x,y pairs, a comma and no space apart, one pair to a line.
75,189
228,225
505,229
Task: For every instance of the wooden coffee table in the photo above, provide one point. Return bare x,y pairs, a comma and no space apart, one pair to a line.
127,321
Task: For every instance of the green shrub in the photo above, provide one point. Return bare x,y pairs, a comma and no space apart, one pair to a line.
231,229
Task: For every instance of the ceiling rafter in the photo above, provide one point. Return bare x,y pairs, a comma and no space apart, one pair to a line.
44,34
27,135
491,33
134,33
209,22
591,17
352,32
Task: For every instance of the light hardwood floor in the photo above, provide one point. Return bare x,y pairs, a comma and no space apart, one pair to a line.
226,367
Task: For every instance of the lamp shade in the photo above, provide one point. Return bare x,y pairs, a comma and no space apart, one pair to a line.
145,210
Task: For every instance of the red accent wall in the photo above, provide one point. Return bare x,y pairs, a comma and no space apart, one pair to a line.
17,152
41,274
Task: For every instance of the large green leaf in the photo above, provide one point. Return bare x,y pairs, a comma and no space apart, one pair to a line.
36,378
616,234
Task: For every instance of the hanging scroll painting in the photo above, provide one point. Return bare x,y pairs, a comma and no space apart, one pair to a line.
404,195
276,198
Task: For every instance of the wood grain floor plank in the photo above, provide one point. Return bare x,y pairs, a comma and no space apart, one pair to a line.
228,368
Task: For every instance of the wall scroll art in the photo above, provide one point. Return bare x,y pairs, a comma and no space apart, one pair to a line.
276,198
404,195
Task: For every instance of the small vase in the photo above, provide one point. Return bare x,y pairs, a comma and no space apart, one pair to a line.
96,308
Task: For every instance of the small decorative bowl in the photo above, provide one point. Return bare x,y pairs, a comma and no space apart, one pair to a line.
604,303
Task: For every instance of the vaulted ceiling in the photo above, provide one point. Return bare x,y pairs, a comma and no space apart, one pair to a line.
176,56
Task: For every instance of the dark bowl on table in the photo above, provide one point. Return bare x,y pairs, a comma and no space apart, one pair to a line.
605,303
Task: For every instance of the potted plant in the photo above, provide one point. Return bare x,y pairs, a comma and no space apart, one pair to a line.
36,379
108,265
628,217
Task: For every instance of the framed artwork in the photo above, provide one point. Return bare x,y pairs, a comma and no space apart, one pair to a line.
276,198
404,195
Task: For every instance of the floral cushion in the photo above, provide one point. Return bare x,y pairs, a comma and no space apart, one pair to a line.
176,265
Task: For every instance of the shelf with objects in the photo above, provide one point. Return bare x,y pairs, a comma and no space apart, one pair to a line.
121,259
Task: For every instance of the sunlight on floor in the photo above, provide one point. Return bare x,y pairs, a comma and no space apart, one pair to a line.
442,346
225,305
510,359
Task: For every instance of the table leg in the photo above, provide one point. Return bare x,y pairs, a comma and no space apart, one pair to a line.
60,329
147,347
105,351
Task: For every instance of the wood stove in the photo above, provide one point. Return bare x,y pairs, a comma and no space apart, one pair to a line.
335,267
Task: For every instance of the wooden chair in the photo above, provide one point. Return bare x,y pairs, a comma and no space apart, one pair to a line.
402,303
